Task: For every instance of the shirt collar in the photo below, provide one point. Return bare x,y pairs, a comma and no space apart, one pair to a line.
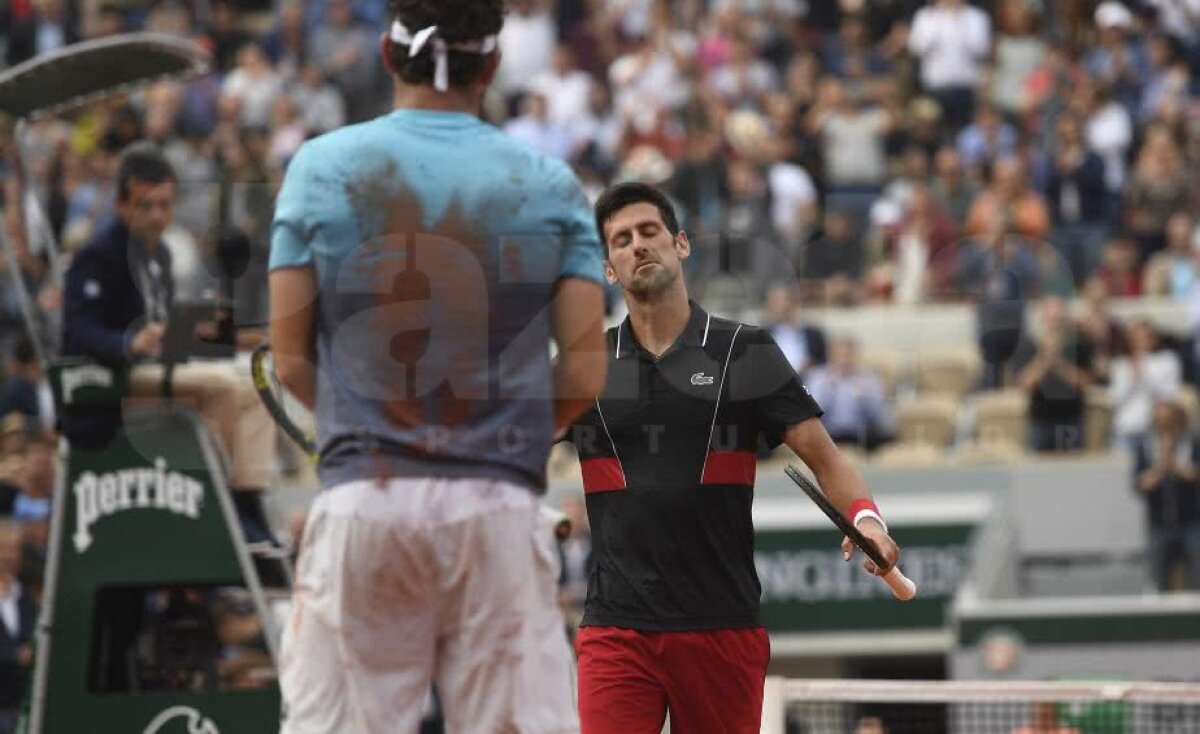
695,334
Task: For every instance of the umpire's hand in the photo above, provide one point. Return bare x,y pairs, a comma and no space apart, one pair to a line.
875,533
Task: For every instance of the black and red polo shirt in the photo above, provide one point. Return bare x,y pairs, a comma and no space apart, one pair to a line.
668,456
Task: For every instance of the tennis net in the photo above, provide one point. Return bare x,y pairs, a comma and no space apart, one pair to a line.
979,707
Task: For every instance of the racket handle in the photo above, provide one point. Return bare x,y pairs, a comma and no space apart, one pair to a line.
901,585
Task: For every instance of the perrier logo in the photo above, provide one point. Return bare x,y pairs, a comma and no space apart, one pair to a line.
143,488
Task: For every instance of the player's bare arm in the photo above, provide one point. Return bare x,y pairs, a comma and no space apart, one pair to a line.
841,482
578,331
293,309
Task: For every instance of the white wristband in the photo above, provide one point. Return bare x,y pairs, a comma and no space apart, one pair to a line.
864,514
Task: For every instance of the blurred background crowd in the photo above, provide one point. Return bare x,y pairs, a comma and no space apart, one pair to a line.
1013,155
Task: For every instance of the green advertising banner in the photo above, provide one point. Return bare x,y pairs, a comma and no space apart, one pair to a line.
149,623
808,588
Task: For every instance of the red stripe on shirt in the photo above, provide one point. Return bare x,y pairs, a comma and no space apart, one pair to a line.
730,467
602,475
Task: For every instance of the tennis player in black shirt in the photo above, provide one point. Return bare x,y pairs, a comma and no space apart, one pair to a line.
668,457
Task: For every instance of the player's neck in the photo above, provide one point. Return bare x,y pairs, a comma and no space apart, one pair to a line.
424,97
657,322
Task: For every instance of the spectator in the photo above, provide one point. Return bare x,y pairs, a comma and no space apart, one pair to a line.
347,52
1179,20
1078,199
1172,272
1103,330
371,14
746,79
1109,134
1019,52
576,561
287,132
1148,375
1166,477
849,53
567,90
535,128
1159,187
38,27
909,173
835,263
952,40
852,396
18,615
803,344
1167,78
598,133
191,156
225,34
255,85
852,132
321,105
1000,275
951,187
1055,372
35,480
198,111
286,44
920,253
749,246
650,79
922,130
987,138
1118,61
794,196
1049,88
701,184
23,383
1119,268
1009,204
526,47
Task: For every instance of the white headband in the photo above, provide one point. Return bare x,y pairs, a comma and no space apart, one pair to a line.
416,43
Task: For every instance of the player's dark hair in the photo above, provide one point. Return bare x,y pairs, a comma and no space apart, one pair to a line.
458,21
144,163
627,194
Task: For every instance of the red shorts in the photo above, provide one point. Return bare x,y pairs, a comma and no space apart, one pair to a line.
712,681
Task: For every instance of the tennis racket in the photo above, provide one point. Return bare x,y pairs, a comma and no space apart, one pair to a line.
903,588
276,399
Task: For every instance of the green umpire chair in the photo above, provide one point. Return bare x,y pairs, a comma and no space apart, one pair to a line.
154,620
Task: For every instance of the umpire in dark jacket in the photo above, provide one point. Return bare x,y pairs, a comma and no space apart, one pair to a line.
117,303
1168,476
119,289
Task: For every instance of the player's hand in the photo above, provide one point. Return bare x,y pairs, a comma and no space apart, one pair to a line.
876,534
148,341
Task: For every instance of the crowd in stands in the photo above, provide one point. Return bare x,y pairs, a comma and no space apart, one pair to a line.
822,154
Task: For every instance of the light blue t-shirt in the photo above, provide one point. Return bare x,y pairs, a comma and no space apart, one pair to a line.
437,243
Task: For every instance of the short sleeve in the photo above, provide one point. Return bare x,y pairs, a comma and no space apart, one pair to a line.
583,254
291,229
770,388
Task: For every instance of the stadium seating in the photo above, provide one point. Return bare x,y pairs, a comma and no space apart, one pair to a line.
950,371
908,455
1001,418
927,419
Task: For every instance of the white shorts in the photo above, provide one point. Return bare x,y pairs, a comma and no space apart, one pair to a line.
420,580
